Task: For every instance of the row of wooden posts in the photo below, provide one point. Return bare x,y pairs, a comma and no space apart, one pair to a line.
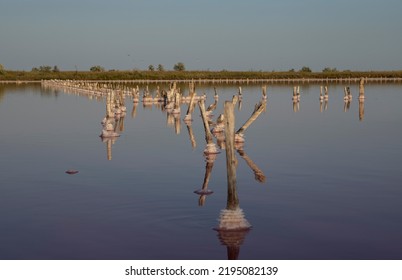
245,81
233,226
101,89
172,97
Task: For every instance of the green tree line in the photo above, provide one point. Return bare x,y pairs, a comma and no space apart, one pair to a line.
179,72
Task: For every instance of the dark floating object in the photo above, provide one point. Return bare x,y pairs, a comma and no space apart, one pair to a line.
203,192
71,171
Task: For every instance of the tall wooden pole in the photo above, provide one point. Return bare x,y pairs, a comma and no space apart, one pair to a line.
208,135
229,119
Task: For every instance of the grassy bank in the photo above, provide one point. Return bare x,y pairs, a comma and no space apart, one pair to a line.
184,75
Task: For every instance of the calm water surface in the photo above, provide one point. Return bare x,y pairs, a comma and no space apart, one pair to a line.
332,188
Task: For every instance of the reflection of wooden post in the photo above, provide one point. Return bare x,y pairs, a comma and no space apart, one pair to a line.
295,107
109,149
204,191
109,111
112,103
191,135
361,110
134,111
258,173
229,118
177,124
121,124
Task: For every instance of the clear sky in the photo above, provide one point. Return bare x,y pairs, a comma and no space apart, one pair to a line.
203,34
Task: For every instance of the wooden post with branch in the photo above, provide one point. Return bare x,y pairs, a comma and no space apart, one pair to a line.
259,108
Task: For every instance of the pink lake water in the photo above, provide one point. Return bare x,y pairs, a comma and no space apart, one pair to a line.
332,190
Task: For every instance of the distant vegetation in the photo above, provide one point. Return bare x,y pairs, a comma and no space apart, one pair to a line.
97,72
179,66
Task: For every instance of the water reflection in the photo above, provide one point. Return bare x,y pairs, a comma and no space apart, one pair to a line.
204,191
113,122
361,110
233,226
361,99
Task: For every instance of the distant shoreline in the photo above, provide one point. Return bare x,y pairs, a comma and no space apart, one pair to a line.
214,77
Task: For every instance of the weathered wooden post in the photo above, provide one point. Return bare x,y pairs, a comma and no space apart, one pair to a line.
264,92
235,98
211,147
349,94
109,104
321,95
233,226
176,108
229,119
220,125
240,93
190,108
170,96
258,109
361,89
211,108
123,107
345,94
326,93
216,96
294,96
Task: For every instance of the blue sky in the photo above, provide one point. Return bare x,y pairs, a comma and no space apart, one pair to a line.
203,34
